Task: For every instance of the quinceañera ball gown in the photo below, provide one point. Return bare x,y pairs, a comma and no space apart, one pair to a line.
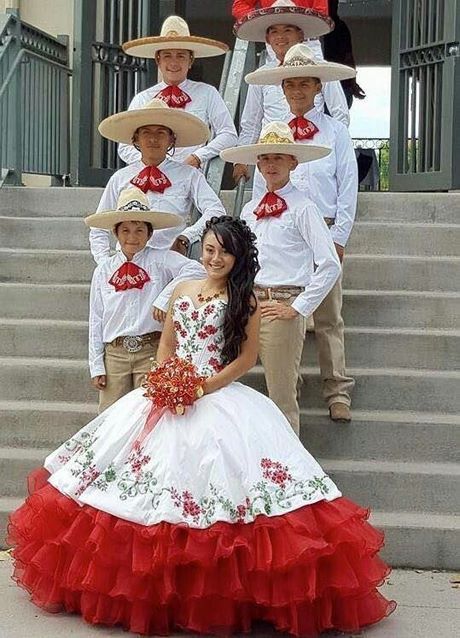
213,520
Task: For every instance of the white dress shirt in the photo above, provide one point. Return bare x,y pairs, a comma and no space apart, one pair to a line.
188,187
295,249
125,313
331,182
206,104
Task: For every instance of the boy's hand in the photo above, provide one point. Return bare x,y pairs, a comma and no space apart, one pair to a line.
99,382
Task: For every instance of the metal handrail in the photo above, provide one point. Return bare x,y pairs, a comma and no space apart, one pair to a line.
34,102
239,197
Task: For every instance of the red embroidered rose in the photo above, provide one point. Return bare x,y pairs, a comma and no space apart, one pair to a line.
184,305
215,364
209,309
210,330
275,472
240,513
195,315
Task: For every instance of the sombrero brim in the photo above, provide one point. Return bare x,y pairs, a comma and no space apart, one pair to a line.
188,129
253,27
108,218
325,71
250,154
149,47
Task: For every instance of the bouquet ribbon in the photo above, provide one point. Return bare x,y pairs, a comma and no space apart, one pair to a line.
171,385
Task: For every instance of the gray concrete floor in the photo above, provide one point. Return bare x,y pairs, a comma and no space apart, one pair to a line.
428,607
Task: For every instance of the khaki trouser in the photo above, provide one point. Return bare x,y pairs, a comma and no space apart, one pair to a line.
125,371
329,335
280,351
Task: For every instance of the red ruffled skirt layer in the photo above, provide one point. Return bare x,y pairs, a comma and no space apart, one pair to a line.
310,570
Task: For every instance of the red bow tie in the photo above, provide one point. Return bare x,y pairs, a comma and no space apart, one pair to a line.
174,97
271,205
303,129
128,276
151,179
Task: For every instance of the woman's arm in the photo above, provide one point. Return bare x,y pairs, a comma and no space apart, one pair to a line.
244,362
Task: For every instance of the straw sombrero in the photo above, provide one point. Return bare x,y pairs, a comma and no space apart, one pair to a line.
132,206
275,137
300,61
188,129
253,27
174,34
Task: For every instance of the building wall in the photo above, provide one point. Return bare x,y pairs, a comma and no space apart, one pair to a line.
52,16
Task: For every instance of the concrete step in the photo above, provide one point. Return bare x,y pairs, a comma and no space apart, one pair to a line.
401,272
376,389
380,272
15,465
438,310
394,348
77,202
42,424
66,233
405,239
421,208
391,435
7,505
398,486
404,309
368,237
419,539
394,486
380,435
383,389
46,266
49,202
365,347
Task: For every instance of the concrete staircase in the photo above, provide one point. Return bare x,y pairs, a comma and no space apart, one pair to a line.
401,308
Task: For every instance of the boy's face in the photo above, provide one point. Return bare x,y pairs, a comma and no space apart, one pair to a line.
281,37
133,237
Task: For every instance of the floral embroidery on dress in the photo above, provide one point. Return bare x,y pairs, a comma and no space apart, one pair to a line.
199,332
132,481
275,472
261,501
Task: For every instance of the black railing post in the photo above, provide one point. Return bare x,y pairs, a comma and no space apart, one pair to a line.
85,12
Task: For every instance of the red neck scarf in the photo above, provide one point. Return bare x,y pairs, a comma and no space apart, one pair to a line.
174,97
151,179
302,129
271,205
128,276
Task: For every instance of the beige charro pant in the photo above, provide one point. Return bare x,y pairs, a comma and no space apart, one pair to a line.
125,371
329,334
280,352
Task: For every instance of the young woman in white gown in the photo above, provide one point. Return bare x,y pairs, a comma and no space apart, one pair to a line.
211,520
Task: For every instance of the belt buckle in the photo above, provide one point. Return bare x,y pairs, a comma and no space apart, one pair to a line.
132,344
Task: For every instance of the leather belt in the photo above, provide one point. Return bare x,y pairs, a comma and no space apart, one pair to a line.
277,292
330,221
135,343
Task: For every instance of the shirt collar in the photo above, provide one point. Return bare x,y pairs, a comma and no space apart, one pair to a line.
183,85
309,115
287,188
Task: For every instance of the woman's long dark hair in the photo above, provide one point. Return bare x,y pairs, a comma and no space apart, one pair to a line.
236,237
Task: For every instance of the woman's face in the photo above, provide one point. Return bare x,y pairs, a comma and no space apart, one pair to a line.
217,261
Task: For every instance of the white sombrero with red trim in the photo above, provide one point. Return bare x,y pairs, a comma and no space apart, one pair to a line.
253,27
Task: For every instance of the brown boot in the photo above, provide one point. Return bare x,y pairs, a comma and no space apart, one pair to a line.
340,412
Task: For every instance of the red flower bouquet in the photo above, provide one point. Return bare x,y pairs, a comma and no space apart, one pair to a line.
173,384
